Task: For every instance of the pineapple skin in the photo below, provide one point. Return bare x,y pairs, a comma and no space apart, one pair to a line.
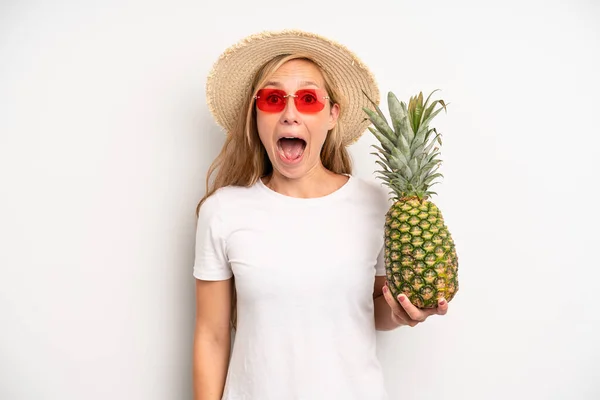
420,255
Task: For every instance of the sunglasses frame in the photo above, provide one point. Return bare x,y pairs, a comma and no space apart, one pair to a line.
295,96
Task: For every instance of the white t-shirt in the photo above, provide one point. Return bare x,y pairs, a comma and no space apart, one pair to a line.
304,272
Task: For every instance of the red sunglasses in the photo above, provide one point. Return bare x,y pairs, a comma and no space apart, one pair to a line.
274,100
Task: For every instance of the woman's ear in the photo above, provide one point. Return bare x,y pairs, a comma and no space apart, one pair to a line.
333,115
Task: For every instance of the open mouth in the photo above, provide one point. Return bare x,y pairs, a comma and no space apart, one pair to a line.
291,148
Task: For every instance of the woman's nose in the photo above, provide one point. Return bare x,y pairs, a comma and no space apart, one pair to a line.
290,112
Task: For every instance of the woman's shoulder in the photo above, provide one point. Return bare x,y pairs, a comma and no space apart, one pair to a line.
229,196
371,191
233,192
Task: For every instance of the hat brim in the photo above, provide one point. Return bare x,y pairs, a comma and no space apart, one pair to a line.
231,76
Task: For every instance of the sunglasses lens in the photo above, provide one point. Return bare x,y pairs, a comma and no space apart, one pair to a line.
274,100
270,100
309,101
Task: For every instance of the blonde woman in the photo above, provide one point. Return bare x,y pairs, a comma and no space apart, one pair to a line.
289,244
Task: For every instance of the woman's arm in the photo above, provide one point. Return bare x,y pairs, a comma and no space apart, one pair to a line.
383,314
212,338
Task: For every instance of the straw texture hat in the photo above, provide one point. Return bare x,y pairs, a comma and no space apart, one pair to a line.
230,79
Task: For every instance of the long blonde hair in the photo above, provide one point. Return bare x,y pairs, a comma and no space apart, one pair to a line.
243,159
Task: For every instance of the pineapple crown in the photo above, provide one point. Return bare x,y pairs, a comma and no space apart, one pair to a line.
407,154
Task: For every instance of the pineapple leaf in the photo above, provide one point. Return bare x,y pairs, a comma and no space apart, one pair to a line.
386,153
402,143
418,112
374,105
420,141
439,137
431,157
383,160
412,164
431,144
428,97
385,142
400,179
385,179
428,172
387,160
430,165
407,126
381,124
407,172
381,157
428,108
397,155
429,179
429,118
411,111
418,149
428,133
397,114
428,111
385,171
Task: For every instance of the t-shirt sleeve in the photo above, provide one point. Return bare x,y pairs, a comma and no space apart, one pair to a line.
380,266
211,261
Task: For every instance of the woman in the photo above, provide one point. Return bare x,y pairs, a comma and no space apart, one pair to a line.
287,239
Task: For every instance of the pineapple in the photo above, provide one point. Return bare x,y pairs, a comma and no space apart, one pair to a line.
420,256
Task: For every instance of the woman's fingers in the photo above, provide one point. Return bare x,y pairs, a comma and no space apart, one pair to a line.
398,314
442,307
390,300
421,315
406,313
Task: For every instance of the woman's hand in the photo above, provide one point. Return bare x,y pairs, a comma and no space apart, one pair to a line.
405,313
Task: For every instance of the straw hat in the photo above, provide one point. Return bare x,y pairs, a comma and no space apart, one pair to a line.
231,77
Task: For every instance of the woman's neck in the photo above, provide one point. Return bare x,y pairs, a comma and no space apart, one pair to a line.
318,182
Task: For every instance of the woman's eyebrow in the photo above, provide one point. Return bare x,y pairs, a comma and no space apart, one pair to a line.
301,83
308,83
273,83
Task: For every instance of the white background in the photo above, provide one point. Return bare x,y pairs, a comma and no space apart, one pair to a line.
105,139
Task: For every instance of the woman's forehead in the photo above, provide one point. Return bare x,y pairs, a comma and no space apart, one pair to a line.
297,72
